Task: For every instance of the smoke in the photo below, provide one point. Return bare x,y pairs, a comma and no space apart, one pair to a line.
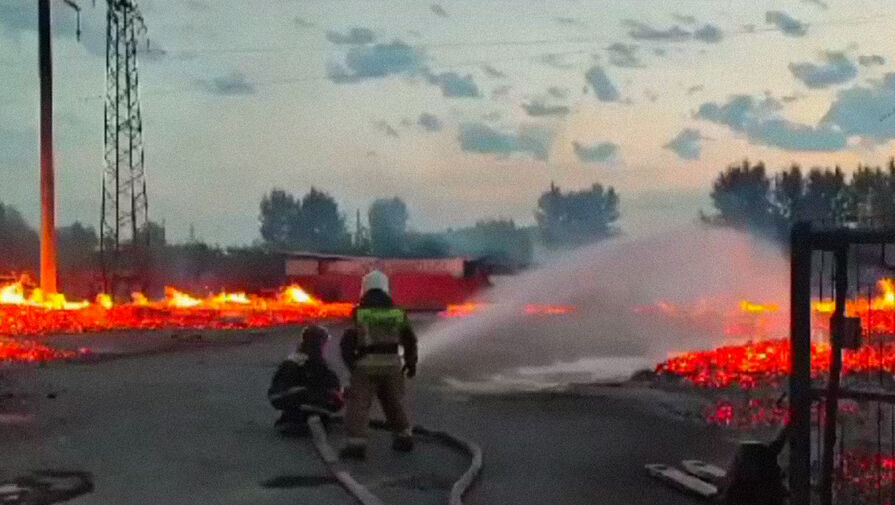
607,336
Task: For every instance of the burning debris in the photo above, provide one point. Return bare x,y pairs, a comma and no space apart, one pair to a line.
766,361
24,312
30,352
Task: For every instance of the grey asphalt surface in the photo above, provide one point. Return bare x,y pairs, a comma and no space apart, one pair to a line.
188,422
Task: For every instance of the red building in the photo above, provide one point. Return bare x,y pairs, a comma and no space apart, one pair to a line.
417,284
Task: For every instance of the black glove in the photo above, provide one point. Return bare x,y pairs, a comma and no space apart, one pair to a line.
409,370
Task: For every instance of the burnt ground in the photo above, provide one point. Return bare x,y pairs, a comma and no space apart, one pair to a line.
188,422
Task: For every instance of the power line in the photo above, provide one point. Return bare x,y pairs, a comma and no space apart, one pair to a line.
476,62
855,21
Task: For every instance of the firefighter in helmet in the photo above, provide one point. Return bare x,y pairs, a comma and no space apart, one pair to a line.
371,348
304,385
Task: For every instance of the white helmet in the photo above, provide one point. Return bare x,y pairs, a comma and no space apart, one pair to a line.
374,280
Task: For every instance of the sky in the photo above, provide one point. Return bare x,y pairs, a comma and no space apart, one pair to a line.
465,109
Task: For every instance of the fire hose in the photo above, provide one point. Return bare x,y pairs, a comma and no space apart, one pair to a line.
363,495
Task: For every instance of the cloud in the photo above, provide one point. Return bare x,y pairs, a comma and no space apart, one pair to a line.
555,61
538,108
837,69
866,111
760,122
566,20
233,84
438,10
695,89
642,31
195,5
499,91
493,72
429,122
454,85
797,137
493,116
685,19
374,61
787,24
623,55
819,3
481,138
603,87
871,60
386,128
303,23
354,36
709,34
557,92
596,153
734,113
687,144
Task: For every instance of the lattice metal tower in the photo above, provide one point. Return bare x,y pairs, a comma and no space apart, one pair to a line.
124,238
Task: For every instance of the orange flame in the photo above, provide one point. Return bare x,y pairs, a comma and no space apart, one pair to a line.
175,298
758,308
32,312
295,294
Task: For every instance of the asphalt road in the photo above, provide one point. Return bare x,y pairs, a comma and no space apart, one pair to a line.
192,425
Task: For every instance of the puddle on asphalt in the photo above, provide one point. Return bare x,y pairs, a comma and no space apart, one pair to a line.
45,487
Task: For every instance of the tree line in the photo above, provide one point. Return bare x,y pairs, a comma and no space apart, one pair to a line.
314,223
747,197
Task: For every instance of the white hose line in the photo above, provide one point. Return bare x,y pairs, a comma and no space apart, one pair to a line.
471,449
329,456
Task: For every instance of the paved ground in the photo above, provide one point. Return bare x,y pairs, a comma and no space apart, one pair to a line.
191,424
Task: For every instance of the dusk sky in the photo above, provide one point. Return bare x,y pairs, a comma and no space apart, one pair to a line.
465,109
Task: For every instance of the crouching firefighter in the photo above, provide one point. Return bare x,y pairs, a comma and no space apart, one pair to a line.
303,385
371,348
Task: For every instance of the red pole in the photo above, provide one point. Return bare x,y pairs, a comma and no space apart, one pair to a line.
47,182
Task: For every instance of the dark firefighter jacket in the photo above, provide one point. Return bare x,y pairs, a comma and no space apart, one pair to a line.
306,385
353,351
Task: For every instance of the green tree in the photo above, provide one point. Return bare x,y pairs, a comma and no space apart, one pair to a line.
740,194
871,194
388,227
312,223
577,217
19,243
279,214
321,227
825,198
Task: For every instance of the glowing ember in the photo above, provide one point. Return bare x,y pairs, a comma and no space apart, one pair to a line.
33,313
30,352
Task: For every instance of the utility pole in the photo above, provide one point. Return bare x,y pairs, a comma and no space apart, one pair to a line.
47,175
48,274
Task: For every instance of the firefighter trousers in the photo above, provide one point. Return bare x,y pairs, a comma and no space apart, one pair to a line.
389,389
